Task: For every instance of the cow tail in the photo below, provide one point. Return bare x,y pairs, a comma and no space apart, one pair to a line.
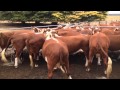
103,50
109,65
3,57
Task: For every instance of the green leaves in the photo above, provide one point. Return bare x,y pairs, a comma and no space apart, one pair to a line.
43,16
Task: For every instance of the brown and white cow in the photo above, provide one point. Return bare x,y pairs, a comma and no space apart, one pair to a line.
55,52
5,36
99,44
75,43
34,44
20,41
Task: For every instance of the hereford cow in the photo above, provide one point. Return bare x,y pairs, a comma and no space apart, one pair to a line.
55,52
19,42
75,43
5,36
34,45
99,44
114,42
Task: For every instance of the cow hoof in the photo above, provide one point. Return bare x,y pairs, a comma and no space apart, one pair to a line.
99,64
36,65
88,69
69,77
19,62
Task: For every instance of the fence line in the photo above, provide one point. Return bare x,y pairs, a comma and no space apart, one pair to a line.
49,26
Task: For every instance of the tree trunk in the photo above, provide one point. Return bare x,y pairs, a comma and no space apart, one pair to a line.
37,22
54,23
23,22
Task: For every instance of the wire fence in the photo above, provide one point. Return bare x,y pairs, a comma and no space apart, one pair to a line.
79,24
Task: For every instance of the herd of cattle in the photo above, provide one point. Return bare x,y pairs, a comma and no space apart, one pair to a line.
56,44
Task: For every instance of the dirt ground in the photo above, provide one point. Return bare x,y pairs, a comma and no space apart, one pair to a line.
77,70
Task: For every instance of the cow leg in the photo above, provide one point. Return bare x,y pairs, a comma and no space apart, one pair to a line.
105,63
86,52
99,60
56,66
86,63
50,72
16,62
35,60
50,66
17,59
91,55
19,48
31,61
66,68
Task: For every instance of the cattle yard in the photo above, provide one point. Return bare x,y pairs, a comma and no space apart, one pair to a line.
77,68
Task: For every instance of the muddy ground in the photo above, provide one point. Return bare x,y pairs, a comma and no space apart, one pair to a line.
77,69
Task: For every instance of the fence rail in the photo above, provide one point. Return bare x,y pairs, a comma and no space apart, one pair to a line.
49,26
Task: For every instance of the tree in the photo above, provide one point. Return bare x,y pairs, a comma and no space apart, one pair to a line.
53,16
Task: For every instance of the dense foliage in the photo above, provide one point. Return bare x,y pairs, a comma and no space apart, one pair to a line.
53,16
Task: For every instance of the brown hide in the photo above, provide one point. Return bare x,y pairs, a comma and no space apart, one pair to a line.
68,33
75,43
4,36
55,53
114,42
19,42
108,32
97,41
34,44
99,44
87,31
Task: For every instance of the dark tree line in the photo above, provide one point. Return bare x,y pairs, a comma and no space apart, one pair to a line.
53,16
